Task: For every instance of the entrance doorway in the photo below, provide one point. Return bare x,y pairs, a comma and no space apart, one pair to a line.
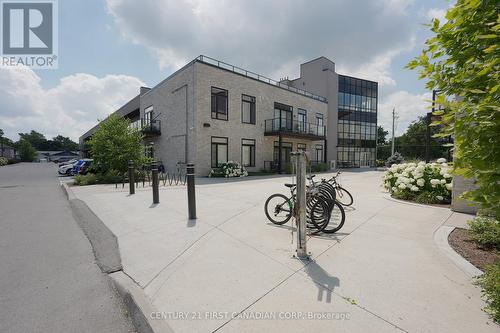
364,160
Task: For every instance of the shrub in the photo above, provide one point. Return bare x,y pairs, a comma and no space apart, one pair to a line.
490,283
396,158
319,167
13,161
88,179
379,163
421,182
228,170
110,177
3,161
485,231
27,152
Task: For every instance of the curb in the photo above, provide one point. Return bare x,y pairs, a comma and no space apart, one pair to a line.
138,306
106,252
389,198
441,240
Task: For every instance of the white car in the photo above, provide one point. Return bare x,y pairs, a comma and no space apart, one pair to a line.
66,169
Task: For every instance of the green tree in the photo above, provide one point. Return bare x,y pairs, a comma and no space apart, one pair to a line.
462,61
27,152
36,139
381,135
412,143
63,143
115,143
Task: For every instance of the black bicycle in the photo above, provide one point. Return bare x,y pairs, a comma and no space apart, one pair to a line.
323,212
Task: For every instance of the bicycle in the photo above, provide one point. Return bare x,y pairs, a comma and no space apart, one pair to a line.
320,207
343,196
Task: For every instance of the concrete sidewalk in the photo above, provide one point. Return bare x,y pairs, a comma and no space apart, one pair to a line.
381,273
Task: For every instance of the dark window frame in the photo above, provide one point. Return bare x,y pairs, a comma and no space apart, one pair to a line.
252,152
148,115
212,143
253,108
215,112
317,148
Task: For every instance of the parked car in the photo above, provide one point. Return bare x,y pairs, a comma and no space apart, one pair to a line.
73,161
66,168
81,167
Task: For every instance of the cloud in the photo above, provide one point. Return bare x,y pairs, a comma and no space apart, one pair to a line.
70,108
438,13
408,108
267,36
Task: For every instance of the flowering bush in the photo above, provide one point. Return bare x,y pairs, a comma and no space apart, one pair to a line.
228,170
421,182
3,161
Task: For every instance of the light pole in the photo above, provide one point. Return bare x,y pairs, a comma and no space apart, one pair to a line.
428,121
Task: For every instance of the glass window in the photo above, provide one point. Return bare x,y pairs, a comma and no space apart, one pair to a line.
248,109
302,120
148,151
319,124
319,153
248,152
301,146
148,116
219,151
219,103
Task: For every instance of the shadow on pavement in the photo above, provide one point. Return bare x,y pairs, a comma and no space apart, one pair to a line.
325,282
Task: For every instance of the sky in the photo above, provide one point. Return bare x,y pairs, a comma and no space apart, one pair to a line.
109,48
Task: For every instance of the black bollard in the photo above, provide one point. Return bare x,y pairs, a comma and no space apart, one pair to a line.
131,182
154,176
191,191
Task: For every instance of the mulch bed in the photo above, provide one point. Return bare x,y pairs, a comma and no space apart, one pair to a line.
461,241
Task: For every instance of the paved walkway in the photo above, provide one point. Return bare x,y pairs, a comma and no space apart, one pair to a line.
49,281
381,273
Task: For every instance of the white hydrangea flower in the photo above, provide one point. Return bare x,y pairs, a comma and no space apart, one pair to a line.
440,198
394,188
441,160
421,163
435,181
449,186
421,182
402,186
443,181
447,175
414,188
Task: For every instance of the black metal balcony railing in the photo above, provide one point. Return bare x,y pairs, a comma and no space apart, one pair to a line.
297,128
151,127
262,78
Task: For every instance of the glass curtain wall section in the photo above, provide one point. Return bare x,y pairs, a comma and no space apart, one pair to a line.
357,122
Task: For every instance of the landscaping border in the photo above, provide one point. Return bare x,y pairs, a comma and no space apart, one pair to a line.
441,240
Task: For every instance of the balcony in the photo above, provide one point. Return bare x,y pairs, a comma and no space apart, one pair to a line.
150,127
298,129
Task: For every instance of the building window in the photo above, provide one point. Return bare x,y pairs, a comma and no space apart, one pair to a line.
319,124
302,120
286,152
148,116
301,146
319,153
248,152
247,109
148,151
219,151
219,103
